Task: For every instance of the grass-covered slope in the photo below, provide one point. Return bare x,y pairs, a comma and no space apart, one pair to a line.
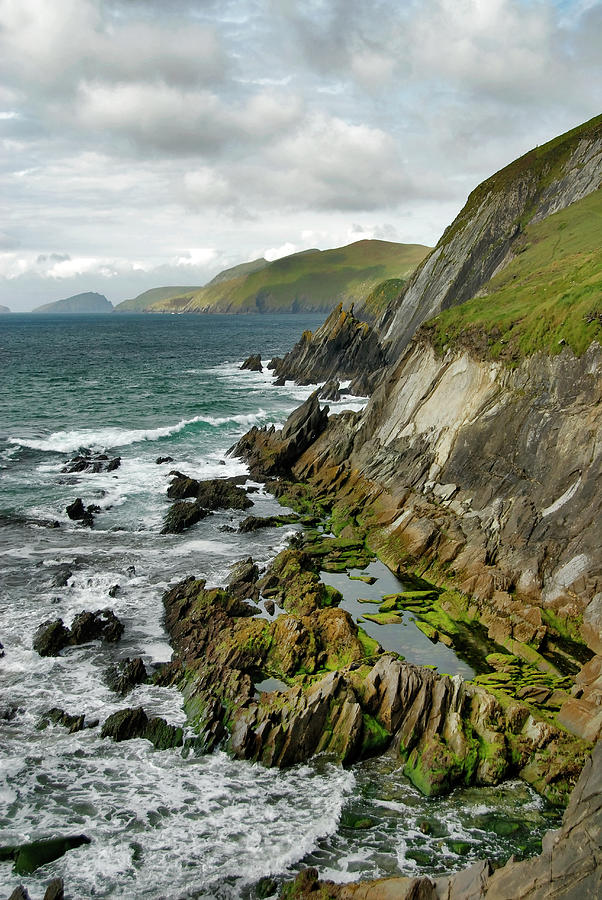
548,297
142,302
489,229
313,281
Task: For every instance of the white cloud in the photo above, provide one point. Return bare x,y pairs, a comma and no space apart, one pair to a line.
278,252
197,257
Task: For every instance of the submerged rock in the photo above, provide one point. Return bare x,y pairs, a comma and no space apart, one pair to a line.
29,857
86,461
57,716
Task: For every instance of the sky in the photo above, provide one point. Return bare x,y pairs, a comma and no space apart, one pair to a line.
148,143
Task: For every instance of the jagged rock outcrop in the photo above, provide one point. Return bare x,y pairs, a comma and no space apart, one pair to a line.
343,347
87,461
481,239
343,698
569,867
253,363
208,495
271,453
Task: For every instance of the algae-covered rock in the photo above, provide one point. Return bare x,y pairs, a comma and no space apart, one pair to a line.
72,723
29,857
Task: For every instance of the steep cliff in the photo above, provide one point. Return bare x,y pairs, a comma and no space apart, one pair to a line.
483,237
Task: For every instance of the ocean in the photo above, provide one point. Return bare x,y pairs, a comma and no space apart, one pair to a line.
164,825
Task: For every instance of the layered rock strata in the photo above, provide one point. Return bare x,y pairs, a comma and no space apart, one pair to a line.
343,347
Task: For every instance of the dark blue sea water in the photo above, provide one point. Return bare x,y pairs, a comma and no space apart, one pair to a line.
165,826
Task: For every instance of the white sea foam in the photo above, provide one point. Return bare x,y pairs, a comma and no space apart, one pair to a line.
69,441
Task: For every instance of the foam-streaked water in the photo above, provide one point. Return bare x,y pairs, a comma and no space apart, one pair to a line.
161,825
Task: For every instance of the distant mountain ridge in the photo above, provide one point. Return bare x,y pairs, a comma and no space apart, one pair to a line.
86,303
309,281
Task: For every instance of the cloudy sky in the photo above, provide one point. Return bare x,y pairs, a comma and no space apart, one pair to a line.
150,143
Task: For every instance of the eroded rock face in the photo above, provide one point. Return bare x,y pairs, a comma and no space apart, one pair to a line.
343,347
87,461
488,471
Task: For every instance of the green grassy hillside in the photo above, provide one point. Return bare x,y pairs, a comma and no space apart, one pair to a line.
143,301
548,297
89,303
310,281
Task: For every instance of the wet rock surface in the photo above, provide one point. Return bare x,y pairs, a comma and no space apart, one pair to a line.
87,461
124,677
207,496
30,856
253,363
72,723
52,637
127,724
568,867
77,512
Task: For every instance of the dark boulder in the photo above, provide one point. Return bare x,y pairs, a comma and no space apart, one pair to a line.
212,493
163,459
126,676
51,638
274,363
92,626
77,512
86,461
61,575
253,363
182,515
125,724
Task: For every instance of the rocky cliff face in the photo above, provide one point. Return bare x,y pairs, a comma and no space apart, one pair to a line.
343,347
482,237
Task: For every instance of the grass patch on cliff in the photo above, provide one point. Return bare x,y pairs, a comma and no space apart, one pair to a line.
548,298
313,280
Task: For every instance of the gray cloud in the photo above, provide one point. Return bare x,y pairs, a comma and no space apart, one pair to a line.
142,139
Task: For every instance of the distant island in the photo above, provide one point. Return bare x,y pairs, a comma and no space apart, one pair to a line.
87,303
368,273
4,310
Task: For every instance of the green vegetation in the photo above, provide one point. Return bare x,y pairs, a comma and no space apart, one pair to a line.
377,301
142,302
310,281
549,297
